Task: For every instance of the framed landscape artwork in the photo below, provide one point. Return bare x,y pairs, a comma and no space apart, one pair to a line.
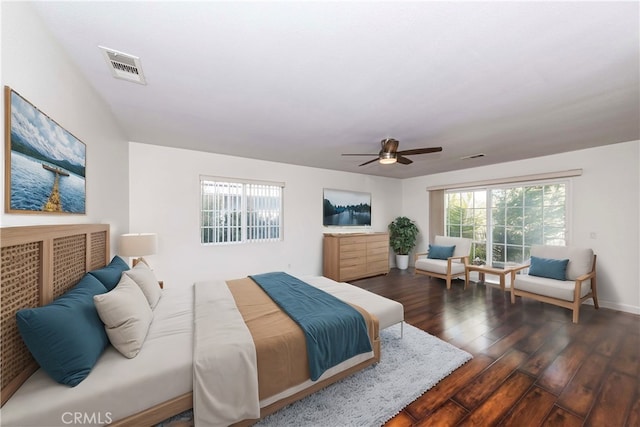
44,163
346,208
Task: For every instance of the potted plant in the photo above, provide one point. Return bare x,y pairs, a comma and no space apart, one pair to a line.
402,238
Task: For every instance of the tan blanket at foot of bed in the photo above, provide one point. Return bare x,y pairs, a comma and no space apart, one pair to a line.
280,343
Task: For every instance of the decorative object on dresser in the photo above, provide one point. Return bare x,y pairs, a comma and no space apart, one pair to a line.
137,245
44,163
351,256
403,233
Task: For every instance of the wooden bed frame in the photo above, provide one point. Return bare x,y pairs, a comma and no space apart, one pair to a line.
40,263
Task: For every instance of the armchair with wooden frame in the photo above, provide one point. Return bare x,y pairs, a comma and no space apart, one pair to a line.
449,268
579,282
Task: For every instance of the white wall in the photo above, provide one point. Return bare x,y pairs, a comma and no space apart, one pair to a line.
165,199
39,70
606,201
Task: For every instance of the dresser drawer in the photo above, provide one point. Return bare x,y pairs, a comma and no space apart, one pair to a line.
356,260
360,248
379,267
344,241
383,243
377,250
352,272
378,257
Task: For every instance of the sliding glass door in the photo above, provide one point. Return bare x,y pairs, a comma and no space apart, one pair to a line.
505,221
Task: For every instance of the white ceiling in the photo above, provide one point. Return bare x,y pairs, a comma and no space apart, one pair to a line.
302,82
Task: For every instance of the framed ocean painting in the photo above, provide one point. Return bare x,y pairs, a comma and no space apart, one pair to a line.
44,163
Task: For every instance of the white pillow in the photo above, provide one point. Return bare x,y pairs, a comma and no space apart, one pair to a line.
144,277
126,315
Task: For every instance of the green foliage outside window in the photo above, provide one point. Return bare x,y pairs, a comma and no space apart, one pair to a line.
508,220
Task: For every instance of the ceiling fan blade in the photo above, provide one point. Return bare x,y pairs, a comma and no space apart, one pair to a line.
389,145
362,154
370,161
404,160
420,151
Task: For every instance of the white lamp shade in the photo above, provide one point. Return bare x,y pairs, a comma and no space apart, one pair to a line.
137,245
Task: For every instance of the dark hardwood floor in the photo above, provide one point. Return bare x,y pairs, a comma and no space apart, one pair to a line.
532,366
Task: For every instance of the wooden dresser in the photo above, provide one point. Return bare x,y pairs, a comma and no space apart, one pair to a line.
355,255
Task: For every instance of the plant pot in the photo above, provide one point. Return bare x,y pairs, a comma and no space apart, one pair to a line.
402,262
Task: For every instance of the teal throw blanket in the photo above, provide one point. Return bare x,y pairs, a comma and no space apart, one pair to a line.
334,330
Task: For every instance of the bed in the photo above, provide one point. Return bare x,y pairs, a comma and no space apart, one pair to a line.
40,263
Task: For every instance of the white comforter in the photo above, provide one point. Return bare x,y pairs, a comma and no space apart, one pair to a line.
225,370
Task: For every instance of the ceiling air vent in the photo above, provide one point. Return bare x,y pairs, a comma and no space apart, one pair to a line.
473,156
124,66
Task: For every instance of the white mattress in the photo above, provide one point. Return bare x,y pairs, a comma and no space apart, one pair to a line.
387,311
119,387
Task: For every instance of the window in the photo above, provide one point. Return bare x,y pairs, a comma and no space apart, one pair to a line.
234,211
466,216
507,220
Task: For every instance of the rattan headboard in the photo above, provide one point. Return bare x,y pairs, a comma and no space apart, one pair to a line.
40,263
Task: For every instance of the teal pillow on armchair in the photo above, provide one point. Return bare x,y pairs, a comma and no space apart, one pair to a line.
441,252
549,268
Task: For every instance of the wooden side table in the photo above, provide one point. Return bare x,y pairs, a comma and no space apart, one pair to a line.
501,270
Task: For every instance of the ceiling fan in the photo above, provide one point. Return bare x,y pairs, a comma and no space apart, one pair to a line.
389,153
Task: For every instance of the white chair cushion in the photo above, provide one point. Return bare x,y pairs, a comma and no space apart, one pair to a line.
560,289
463,245
438,266
580,259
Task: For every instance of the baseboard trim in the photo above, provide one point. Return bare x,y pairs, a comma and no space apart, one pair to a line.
616,306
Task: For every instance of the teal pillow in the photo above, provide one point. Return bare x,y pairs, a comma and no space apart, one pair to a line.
110,275
441,252
66,337
549,268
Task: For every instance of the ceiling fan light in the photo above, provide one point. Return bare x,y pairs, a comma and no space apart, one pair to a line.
387,158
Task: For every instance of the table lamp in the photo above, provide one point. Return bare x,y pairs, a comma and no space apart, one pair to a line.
138,245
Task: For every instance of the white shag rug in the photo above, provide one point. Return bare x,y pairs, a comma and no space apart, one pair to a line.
408,367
